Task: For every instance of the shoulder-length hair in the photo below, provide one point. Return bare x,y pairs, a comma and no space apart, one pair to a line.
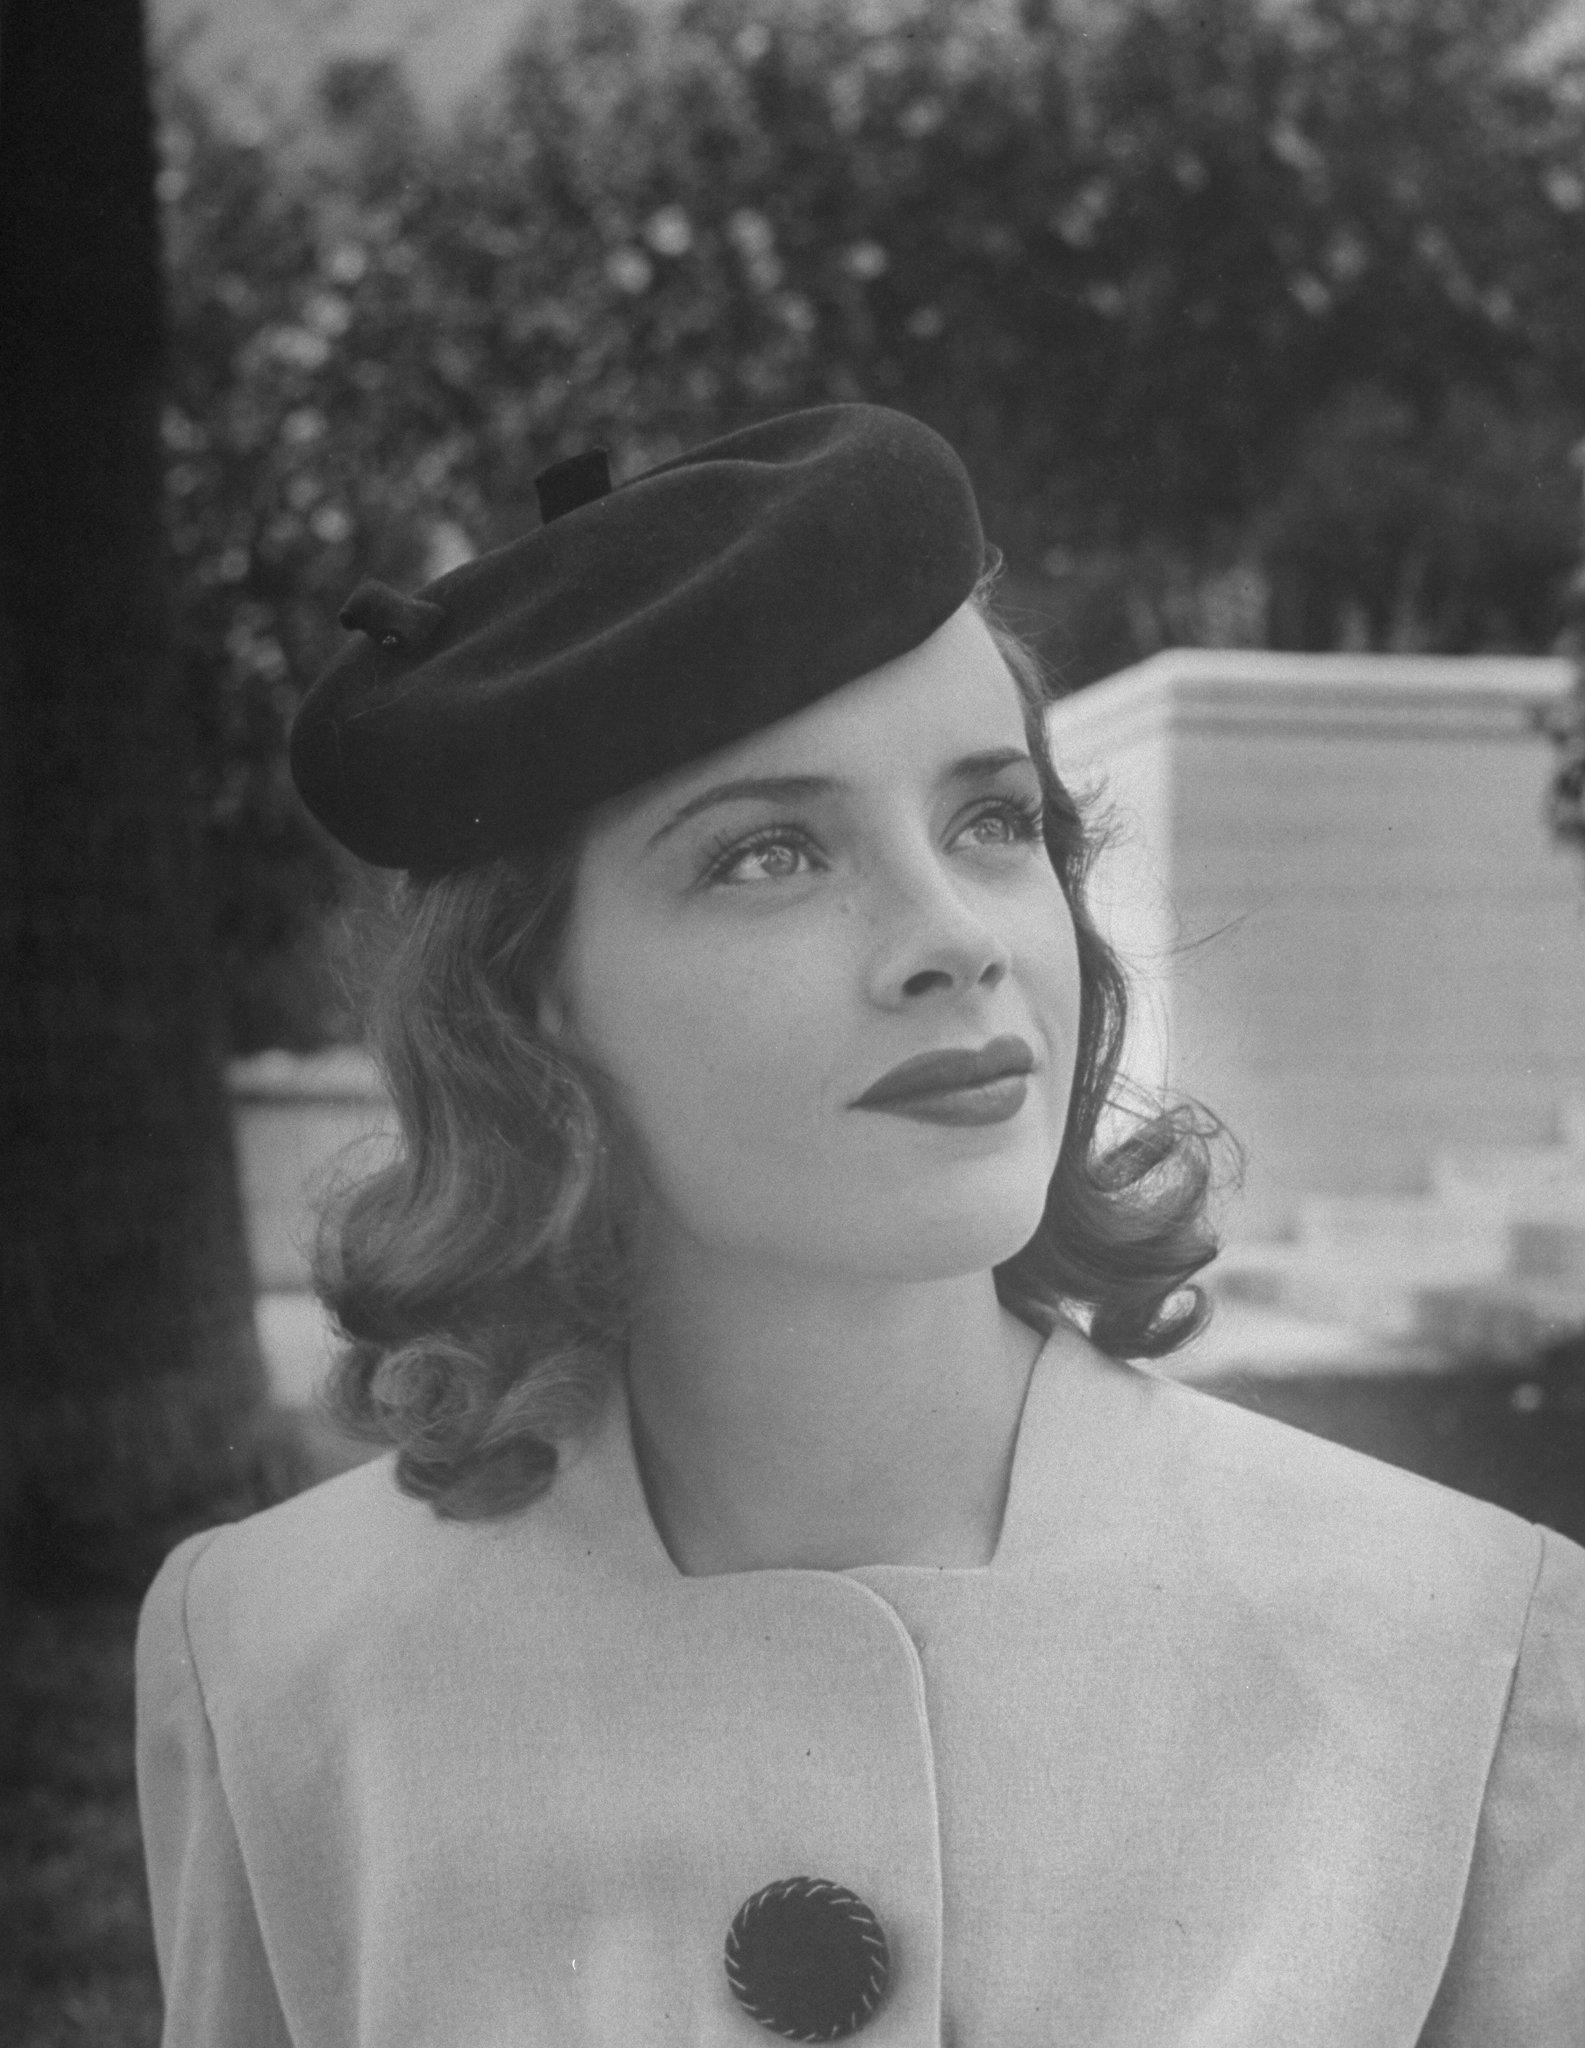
478,1277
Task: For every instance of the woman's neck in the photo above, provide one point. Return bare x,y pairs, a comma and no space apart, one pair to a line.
780,1422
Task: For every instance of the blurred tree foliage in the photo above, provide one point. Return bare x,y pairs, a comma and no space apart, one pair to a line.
1255,323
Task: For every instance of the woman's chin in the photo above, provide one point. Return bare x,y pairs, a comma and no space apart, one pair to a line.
926,1242
890,1226
936,1225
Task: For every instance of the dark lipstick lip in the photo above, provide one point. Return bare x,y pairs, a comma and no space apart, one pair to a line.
943,1073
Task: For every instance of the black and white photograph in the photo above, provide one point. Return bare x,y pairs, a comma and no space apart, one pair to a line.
792,1023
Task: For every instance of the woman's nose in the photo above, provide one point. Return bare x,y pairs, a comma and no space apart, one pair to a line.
933,940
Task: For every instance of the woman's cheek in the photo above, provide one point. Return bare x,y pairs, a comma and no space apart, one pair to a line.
713,1054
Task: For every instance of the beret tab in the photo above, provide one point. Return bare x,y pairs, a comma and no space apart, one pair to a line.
719,592
390,618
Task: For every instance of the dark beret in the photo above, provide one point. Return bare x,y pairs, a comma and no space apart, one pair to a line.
636,630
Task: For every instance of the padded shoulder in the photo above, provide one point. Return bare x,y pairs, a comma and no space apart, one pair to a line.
1334,1547
1350,1540
305,1580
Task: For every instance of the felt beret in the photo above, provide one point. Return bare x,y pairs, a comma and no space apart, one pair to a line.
634,631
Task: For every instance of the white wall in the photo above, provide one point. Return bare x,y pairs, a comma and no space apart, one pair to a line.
1356,939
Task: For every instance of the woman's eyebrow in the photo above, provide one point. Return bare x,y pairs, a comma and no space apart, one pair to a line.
775,789
973,767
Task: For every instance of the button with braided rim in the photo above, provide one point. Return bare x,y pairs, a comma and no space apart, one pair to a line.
807,1959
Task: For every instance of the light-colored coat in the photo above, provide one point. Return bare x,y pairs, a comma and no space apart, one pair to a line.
1239,1740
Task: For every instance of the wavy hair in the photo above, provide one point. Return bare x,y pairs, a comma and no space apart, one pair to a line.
478,1277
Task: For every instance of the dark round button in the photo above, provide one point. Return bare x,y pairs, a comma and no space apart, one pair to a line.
808,1959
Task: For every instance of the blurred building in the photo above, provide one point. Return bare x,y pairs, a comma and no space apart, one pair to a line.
1355,940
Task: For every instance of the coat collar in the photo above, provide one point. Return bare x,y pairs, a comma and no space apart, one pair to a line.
1074,1393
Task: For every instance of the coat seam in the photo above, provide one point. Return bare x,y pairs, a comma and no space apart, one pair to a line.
927,1737
202,1550
202,1547
1503,1719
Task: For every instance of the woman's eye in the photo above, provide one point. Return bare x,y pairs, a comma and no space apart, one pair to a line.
1009,823
767,857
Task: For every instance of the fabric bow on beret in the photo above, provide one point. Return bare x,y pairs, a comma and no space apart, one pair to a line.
637,630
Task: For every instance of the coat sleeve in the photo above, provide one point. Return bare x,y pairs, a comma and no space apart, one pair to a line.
1516,1976
216,1976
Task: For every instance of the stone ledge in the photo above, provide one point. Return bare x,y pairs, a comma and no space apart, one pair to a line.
1337,696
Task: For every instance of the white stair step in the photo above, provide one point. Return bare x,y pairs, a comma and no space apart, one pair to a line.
1507,1176
1295,1280
1405,1234
1251,1342
1320,1308
1385,1301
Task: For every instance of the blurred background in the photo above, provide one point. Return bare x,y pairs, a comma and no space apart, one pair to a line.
1261,327
1258,325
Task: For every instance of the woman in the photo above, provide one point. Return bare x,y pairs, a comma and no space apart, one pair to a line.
784,1610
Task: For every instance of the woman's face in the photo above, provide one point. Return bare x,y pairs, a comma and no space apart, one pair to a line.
759,942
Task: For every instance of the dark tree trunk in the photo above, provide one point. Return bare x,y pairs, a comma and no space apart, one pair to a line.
132,1382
